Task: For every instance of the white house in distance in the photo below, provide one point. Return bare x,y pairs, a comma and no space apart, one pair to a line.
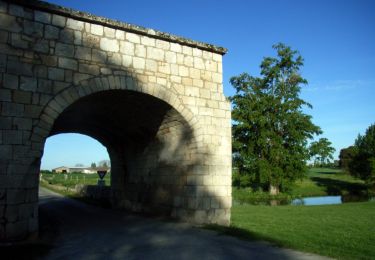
87,170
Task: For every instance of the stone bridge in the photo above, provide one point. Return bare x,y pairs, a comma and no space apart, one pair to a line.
154,100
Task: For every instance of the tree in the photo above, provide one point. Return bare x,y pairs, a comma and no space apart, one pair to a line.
79,165
104,163
346,156
270,130
363,163
322,151
93,165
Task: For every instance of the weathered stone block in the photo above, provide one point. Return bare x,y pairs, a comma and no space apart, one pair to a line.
67,36
6,151
28,83
114,59
15,196
23,97
5,95
9,23
41,46
164,45
74,24
16,230
33,111
77,38
176,47
19,68
89,69
109,45
154,53
33,29
12,137
16,10
148,41
18,42
109,32
66,50
97,29
22,123
55,74
5,122
67,63
127,61
58,20
42,17
12,109
49,60
131,37
11,213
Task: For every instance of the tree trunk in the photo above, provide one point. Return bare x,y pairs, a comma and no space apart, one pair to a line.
274,190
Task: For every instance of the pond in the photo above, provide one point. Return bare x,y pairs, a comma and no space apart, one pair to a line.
329,200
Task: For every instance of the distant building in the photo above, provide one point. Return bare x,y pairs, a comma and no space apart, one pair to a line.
87,170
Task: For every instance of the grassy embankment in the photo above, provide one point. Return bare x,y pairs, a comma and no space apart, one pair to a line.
326,181
343,231
318,182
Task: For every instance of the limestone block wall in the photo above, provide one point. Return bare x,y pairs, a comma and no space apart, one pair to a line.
54,61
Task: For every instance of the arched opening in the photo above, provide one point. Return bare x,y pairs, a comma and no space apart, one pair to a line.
73,161
148,141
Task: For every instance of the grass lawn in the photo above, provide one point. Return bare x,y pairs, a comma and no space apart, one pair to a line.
325,181
345,231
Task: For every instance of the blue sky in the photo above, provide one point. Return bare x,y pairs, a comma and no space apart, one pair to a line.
336,39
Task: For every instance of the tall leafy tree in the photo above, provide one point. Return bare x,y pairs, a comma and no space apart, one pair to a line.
270,130
322,151
346,156
363,163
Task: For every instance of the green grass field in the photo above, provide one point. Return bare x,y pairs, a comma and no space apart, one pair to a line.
326,181
70,180
343,231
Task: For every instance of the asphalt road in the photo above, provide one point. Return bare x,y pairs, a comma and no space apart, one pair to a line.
74,230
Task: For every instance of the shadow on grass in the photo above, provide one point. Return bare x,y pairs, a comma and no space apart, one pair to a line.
244,234
339,187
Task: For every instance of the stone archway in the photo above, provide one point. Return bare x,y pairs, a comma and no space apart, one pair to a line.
154,99
151,145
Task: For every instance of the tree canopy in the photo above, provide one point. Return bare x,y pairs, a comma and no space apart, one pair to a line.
322,151
270,130
346,156
363,163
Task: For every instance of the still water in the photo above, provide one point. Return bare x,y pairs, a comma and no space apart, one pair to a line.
329,200
324,200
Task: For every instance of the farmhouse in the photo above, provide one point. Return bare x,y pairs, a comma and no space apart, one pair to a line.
87,170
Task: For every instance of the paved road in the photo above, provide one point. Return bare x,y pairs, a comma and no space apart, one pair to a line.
83,231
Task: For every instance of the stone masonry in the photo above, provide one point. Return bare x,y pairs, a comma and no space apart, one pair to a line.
153,99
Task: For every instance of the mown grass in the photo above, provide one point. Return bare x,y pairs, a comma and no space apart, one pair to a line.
343,231
327,181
